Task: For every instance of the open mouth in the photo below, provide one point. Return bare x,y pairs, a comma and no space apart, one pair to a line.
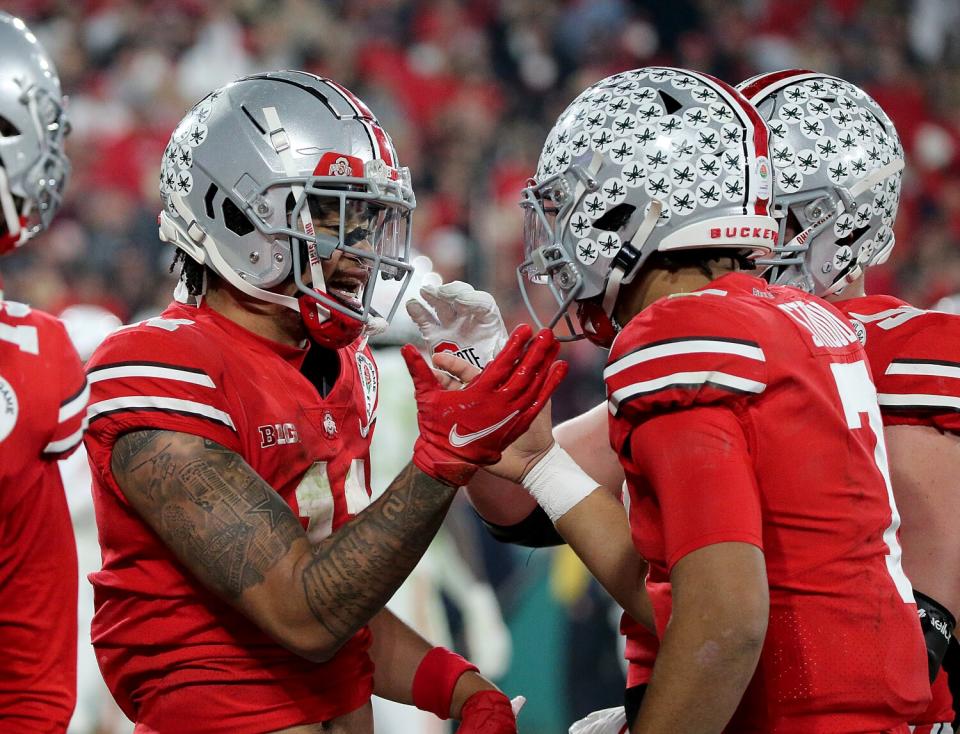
347,289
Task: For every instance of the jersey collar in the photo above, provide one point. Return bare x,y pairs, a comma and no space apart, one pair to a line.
290,354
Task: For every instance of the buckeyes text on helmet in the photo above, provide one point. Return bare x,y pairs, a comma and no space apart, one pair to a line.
248,170
33,167
653,159
838,166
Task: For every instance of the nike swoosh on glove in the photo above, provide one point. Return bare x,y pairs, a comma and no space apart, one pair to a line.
463,429
460,319
487,712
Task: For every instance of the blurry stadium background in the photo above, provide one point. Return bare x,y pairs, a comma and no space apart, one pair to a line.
468,91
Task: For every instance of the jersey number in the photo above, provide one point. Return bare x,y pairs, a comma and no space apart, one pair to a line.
858,396
316,502
24,337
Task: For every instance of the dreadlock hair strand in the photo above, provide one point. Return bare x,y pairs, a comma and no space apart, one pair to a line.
191,272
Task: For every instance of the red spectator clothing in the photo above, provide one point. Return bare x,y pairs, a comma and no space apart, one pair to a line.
43,397
175,656
915,357
746,413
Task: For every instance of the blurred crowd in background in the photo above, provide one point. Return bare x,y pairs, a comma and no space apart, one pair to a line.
468,89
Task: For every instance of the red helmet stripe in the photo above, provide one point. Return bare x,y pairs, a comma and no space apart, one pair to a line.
353,99
383,142
377,134
760,83
761,132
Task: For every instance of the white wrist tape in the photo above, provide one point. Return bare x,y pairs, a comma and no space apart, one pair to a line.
558,483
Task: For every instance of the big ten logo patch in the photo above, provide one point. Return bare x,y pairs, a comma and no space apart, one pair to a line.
9,408
468,354
278,434
367,373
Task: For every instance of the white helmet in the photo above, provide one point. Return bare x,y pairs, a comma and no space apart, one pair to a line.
253,163
654,159
838,163
33,166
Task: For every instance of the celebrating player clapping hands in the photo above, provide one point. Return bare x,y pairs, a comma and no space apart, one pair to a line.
233,473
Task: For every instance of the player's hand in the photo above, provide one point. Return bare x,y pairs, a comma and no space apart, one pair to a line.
463,429
488,712
607,721
529,448
461,320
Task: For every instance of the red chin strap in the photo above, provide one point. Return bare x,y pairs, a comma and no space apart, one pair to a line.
596,325
8,241
335,331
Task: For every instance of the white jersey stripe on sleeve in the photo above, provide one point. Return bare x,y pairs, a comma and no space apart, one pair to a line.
685,346
924,369
65,444
156,372
914,400
150,402
75,405
687,380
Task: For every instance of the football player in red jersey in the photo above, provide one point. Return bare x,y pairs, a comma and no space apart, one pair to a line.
244,573
43,395
771,538
838,222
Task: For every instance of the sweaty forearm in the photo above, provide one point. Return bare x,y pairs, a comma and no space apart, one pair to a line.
396,651
699,678
710,648
598,532
350,575
499,501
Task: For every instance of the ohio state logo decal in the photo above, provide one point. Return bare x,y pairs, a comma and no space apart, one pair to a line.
465,353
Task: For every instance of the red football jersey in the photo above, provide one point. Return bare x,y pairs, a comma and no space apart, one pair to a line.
175,656
776,385
43,397
915,357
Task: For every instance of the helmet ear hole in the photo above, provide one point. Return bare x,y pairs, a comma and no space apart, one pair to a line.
7,128
208,201
670,103
614,220
235,220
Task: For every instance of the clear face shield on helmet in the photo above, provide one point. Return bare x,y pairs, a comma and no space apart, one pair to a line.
546,207
366,218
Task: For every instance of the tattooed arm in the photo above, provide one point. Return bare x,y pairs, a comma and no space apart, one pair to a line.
238,536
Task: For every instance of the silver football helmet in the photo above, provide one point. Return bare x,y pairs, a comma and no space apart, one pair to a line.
251,168
654,159
838,165
33,166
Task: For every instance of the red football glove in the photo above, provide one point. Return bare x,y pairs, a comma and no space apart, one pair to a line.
463,429
487,712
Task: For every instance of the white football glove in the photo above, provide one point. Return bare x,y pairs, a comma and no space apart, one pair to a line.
460,319
606,721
